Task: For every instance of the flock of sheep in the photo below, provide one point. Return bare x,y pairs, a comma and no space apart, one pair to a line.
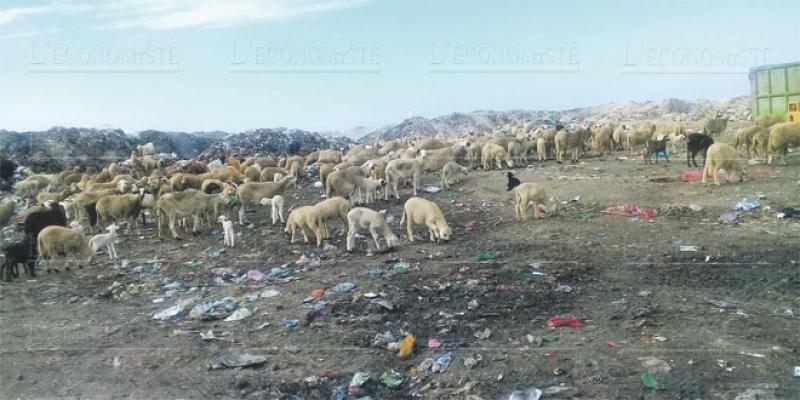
183,193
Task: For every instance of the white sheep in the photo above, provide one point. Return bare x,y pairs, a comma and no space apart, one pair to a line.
781,137
106,240
450,173
527,194
276,203
367,189
58,241
494,152
253,192
364,218
227,230
305,219
420,211
329,209
722,156
147,149
402,169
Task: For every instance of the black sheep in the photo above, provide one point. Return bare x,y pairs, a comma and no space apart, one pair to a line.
696,143
18,253
38,218
512,181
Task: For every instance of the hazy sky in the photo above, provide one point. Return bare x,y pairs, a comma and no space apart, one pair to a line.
322,65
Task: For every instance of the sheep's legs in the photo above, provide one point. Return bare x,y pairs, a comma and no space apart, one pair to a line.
351,235
409,230
374,232
243,220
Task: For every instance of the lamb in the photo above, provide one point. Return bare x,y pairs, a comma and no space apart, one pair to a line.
276,203
117,208
227,230
527,193
697,143
722,156
190,203
364,218
768,120
450,173
58,241
367,189
654,147
330,209
420,211
781,137
744,137
494,152
253,192
106,240
21,252
402,169
305,219
147,149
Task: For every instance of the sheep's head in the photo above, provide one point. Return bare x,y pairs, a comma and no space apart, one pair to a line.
391,240
223,219
112,228
445,231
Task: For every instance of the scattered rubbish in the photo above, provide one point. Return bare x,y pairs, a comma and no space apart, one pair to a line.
406,346
370,295
470,225
401,268
174,313
745,204
729,218
383,339
787,213
571,320
649,381
174,286
344,287
575,199
696,175
489,255
213,309
214,253
290,323
472,361
280,273
722,303
434,343
695,207
431,189
239,315
242,361
359,379
318,184
391,379
633,210
615,344
256,275
796,371
383,303
654,365
267,293
442,363
484,334
208,335
466,388
557,390
564,288
689,249
473,304
530,393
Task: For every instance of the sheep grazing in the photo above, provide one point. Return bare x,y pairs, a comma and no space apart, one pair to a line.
227,231
420,211
601,139
21,252
697,143
305,219
344,180
768,120
744,137
373,221
253,192
781,137
268,174
330,209
530,193
105,240
541,148
174,206
474,154
119,208
715,126
276,203
759,144
494,152
58,241
402,169
618,137
722,156
450,173
654,148
513,181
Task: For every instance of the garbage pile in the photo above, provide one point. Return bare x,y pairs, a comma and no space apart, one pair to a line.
273,141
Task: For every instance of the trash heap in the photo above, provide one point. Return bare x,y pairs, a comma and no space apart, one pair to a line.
273,141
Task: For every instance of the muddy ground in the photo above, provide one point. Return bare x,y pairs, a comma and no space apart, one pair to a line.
644,303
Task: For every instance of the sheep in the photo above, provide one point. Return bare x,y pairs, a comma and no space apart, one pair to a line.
697,143
147,149
637,137
654,147
228,174
527,193
781,137
420,211
722,156
86,199
214,165
474,154
325,169
569,141
57,241
324,156
21,252
253,192
276,203
516,152
618,137
364,218
44,197
277,178
268,173
39,217
601,139
264,162
6,211
123,207
759,143
437,158
305,219
715,126
402,169
367,189
253,173
768,120
227,231
541,148
744,137
429,144
344,180
32,185
329,209
190,203
106,240
231,161
494,152
7,168
295,165
450,173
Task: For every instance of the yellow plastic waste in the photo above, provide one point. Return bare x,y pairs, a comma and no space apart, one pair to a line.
406,346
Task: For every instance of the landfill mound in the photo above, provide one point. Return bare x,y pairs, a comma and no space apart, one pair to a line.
273,141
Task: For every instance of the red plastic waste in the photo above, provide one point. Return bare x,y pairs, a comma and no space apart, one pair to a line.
614,344
572,321
633,210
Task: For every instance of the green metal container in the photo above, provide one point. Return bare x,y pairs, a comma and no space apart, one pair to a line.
774,86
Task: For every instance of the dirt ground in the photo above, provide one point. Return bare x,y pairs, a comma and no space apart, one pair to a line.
644,303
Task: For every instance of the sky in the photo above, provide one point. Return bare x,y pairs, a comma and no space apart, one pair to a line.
324,65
